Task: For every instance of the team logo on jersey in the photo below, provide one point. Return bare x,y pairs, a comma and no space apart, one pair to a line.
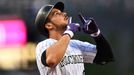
73,59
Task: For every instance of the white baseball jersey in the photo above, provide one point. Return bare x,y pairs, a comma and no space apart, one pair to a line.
72,63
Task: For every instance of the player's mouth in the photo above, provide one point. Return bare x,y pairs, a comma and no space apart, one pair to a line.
66,17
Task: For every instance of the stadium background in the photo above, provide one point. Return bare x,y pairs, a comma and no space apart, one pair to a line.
114,17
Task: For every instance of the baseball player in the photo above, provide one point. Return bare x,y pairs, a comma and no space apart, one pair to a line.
59,54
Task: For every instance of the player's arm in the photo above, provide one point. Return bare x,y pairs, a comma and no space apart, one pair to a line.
53,55
104,52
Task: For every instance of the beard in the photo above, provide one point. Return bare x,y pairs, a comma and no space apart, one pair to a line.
61,27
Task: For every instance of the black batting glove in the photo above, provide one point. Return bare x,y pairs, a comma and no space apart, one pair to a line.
89,26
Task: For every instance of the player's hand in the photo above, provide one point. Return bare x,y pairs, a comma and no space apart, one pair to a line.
90,26
73,26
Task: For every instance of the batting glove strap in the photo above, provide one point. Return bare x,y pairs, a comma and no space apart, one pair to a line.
95,34
69,32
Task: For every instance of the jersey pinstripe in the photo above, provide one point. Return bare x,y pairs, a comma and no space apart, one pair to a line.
72,63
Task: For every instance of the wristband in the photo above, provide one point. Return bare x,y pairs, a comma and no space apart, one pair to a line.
95,34
70,33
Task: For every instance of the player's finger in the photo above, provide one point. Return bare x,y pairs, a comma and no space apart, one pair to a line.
70,20
88,22
82,18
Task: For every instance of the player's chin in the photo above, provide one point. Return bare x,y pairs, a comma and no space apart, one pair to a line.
66,22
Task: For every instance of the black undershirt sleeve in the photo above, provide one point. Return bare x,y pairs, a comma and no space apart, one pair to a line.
104,52
43,58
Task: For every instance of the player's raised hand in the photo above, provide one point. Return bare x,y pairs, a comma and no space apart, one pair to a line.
89,26
73,26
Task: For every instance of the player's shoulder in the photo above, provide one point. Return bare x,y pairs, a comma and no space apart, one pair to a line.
79,42
75,41
47,41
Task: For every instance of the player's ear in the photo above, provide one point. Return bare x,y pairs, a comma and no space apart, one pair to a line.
49,26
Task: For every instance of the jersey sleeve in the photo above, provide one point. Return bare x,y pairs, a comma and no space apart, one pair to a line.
88,51
40,49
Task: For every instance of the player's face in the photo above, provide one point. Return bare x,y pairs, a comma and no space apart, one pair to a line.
58,18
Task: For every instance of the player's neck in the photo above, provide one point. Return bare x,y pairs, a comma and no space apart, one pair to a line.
55,35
